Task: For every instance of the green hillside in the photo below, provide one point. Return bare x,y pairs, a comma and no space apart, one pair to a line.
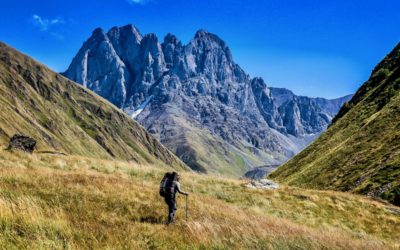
360,151
65,117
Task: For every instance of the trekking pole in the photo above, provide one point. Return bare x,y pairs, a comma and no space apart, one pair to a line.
186,207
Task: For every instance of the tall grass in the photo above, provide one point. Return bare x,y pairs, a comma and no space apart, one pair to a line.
69,202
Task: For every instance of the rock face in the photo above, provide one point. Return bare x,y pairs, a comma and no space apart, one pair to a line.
197,101
22,142
259,172
303,115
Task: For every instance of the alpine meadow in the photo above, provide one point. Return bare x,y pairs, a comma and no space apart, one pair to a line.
256,125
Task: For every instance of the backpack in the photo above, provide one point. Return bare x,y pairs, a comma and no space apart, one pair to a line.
167,184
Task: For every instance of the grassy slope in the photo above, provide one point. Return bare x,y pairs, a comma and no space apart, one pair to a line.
218,157
209,154
65,117
360,152
202,150
49,201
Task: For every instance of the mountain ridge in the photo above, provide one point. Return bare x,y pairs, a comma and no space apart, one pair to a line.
195,94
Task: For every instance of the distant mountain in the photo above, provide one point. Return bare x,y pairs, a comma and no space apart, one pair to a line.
314,113
197,101
65,117
360,151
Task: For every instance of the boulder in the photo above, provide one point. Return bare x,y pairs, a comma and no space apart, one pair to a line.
22,142
262,184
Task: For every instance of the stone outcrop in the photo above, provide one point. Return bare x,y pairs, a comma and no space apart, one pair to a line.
22,142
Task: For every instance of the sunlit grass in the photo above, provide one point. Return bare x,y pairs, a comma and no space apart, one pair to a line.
49,201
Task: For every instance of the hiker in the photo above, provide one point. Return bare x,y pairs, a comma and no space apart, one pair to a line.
169,186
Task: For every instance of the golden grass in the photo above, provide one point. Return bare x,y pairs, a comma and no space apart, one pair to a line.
70,202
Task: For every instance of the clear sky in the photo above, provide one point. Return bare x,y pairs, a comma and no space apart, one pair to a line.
321,48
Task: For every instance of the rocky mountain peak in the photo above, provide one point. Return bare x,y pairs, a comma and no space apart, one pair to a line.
150,38
174,54
152,59
98,32
266,104
98,36
197,101
209,56
126,32
207,42
204,35
201,33
171,39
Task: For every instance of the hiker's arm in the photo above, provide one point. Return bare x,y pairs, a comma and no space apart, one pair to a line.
178,188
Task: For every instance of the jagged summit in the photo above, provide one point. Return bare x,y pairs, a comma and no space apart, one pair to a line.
170,38
151,37
203,34
124,31
97,31
210,41
196,100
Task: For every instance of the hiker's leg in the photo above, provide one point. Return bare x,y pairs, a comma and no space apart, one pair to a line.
171,213
173,203
171,209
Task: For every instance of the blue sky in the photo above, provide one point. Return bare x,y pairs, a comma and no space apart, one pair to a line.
313,47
